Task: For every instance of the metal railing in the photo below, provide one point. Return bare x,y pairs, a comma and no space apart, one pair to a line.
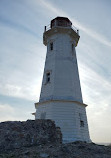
48,27
75,29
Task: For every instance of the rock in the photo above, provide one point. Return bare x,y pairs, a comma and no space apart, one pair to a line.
44,155
16,134
70,150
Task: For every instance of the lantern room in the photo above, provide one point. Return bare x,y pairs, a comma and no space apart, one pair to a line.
61,21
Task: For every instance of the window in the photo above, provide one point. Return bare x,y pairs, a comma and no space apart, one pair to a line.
81,123
81,120
51,46
47,77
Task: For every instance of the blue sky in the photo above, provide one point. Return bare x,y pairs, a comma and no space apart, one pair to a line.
22,57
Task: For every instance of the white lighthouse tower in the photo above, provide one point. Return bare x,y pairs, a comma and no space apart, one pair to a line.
61,98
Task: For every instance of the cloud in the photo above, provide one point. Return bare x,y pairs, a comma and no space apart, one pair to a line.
16,26
21,91
94,84
6,112
19,16
14,113
97,95
21,65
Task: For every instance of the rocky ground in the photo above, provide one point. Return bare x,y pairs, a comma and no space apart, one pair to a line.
42,139
17,134
70,150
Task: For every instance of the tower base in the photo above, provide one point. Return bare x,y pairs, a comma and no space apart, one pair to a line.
70,116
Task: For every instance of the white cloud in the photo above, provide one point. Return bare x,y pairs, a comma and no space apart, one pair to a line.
6,112
30,92
21,66
14,113
94,82
96,93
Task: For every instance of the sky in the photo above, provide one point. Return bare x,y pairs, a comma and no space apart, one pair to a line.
22,57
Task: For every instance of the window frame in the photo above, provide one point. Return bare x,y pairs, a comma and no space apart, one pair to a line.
51,46
81,123
81,120
47,77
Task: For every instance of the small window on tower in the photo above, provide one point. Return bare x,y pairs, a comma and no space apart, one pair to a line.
81,123
81,120
51,46
47,77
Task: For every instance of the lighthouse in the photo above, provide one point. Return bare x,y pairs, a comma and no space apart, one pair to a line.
61,97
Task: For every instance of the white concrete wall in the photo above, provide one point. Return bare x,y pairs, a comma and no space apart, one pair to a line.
62,63
66,115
